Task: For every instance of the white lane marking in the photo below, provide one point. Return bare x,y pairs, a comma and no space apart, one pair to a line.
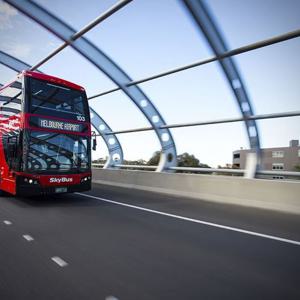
59,261
6,222
266,236
28,237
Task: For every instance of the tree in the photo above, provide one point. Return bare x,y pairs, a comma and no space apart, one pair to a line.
297,168
154,160
187,160
183,160
99,161
139,162
203,165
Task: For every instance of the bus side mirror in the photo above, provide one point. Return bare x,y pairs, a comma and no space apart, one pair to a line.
94,144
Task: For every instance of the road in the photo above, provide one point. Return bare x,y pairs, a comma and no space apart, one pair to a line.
155,246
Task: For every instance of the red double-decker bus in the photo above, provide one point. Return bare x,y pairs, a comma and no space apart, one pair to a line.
45,136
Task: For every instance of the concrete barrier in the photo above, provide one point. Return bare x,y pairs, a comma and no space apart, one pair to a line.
282,196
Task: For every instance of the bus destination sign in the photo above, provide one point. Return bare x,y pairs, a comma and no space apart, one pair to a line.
60,125
57,124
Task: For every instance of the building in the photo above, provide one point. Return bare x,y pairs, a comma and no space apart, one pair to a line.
280,158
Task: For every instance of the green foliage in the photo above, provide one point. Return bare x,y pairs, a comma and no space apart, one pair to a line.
184,160
187,160
203,165
297,168
154,160
99,161
140,162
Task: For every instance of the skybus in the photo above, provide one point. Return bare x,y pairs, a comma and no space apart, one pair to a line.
45,136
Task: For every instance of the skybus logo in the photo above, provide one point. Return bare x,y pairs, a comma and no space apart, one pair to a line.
60,180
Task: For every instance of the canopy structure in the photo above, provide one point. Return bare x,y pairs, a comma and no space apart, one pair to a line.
204,21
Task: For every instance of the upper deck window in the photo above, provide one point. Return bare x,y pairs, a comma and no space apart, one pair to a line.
10,99
55,100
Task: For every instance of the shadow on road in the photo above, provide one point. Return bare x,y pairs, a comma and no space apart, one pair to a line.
59,200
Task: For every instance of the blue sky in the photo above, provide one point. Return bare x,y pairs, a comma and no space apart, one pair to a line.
147,37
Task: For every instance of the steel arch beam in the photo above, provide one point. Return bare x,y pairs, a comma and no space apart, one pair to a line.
12,62
205,22
114,150
111,69
113,145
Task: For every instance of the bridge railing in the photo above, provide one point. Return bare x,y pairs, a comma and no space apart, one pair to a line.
213,171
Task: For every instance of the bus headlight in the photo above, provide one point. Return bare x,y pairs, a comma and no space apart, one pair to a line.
85,179
30,181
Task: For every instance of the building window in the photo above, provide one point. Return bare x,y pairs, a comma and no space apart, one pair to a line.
298,152
278,177
277,154
278,166
236,155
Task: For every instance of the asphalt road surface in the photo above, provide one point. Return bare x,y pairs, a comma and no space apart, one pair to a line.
116,243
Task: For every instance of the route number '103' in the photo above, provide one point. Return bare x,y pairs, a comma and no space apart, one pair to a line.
81,118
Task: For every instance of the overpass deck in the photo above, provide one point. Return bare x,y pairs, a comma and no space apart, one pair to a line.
84,247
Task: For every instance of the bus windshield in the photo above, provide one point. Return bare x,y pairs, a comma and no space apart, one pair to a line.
54,152
55,100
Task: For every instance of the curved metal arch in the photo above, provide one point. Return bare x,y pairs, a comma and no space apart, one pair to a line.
12,62
205,22
111,69
113,145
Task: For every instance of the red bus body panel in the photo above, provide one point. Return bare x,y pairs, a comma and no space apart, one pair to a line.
7,177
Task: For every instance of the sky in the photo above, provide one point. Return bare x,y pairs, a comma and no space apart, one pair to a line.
150,36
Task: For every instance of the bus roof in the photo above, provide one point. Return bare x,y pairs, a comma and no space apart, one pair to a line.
52,79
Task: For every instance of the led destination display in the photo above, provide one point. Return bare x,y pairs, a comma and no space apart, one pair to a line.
51,124
57,125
